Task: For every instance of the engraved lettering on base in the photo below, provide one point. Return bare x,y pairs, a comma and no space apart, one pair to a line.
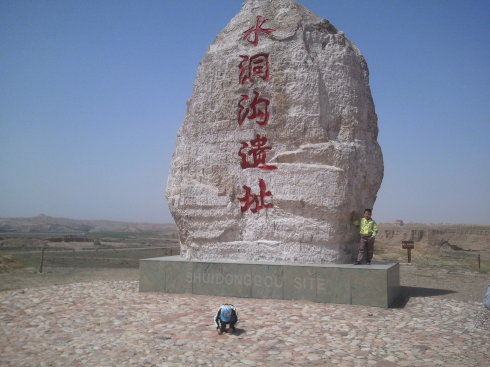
321,285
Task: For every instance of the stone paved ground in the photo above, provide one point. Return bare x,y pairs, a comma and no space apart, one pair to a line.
109,323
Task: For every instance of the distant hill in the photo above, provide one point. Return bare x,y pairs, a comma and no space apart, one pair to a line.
46,224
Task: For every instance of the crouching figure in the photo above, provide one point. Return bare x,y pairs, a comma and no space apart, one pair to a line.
227,315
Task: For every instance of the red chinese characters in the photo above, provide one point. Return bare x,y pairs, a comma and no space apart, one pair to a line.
257,150
254,202
257,109
252,34
254,66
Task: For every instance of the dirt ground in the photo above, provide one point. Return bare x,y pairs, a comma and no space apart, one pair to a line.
457,272
416,281
31,278
419,281
460,275
435,273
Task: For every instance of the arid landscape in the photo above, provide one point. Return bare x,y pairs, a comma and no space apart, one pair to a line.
43,250
451,261
79,304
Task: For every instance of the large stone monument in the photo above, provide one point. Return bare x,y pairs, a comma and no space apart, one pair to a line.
277,148
278,145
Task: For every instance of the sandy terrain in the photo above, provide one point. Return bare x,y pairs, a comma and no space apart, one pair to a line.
417,281
433,271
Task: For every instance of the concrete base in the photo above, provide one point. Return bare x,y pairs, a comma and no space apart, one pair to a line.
370,285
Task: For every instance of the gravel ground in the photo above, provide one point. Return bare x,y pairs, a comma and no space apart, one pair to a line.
69,317
109,323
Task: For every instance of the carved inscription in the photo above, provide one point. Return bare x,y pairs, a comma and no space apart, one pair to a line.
256,280
257,150
254,66
255,108
255,202
252,34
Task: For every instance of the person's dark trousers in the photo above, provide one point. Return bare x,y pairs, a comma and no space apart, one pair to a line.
366,249
222,325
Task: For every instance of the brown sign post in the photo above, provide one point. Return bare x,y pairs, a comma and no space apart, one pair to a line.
409,246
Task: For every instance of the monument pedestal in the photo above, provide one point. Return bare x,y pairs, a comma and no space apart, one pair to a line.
370,285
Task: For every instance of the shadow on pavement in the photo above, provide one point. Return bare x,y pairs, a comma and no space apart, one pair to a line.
408,292
239,331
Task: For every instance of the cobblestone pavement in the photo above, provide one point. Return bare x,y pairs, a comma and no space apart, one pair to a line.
109,323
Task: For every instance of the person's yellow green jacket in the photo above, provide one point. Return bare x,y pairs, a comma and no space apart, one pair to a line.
368,228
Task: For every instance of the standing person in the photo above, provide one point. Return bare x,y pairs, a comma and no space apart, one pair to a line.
368,231
226,315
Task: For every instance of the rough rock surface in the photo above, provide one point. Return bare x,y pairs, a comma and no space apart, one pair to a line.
278,144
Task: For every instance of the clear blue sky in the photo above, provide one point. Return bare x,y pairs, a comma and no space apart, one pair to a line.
92,94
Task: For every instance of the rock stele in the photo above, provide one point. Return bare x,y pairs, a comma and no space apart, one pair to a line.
279,142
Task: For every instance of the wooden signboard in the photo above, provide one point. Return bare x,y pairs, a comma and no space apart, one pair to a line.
409,246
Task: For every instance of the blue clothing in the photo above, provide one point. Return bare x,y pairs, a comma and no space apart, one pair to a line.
226,314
